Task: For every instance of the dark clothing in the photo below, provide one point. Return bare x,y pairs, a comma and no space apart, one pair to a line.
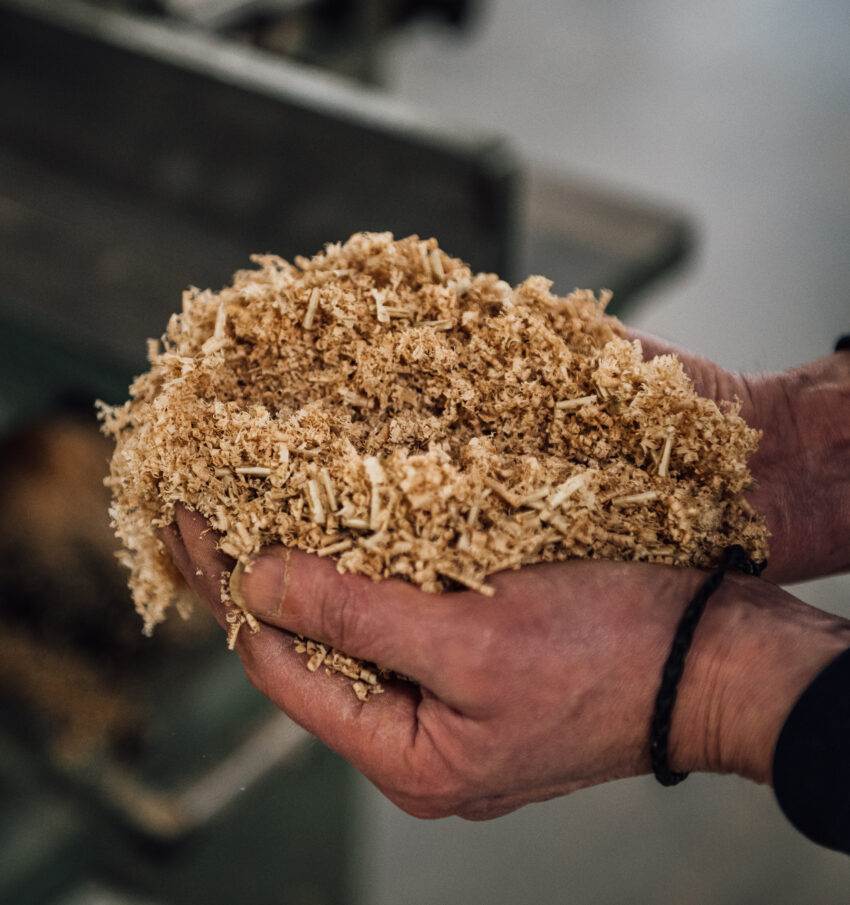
811,765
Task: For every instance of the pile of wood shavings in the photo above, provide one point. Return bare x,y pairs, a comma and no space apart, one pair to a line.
381,404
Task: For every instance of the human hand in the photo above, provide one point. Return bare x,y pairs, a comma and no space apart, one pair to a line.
802,465
545,688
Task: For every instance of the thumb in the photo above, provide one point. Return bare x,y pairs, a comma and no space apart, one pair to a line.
390,622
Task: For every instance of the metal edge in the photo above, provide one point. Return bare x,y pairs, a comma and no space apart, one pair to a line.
188,47
164,814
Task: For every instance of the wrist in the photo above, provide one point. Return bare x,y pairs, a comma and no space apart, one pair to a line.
755,651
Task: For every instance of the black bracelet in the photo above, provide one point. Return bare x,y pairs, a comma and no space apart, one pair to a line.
843,343
734,557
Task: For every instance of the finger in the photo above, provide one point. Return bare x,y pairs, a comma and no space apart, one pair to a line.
395,738
389,622
422,636
373,735
380,737
170,537
209,566
325,705
192,575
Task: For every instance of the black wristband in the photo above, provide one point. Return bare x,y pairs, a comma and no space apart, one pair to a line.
843,343
734,557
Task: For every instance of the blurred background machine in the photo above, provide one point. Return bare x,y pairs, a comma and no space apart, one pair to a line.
144,147
139,155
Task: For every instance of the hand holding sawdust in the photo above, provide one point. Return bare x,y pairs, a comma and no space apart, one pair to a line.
545,688
382,405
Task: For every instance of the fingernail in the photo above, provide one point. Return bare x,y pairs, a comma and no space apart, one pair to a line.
264,585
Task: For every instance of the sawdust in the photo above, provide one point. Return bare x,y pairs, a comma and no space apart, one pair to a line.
381,404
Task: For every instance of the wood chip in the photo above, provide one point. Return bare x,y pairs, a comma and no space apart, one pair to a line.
568,404
315,499
219,331
339,547
633,499
536,495
469,582
328,486
510,498
437,265
564,491
312,305
214,344
665,454
379,296
259,471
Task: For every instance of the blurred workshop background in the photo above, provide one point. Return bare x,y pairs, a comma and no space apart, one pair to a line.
693,158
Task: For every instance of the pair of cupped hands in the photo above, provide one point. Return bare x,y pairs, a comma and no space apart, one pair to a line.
549,685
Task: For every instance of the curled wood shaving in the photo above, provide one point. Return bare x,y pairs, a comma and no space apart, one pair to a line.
237,615
383,404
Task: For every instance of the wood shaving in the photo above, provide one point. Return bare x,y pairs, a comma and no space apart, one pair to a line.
381,403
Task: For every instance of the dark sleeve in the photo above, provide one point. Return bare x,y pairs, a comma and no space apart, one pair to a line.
811,764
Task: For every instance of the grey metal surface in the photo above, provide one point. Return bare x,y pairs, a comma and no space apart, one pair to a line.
582,236
286,838
136,159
